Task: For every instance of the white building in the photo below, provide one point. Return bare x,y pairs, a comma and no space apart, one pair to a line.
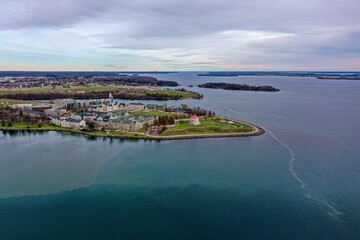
194,120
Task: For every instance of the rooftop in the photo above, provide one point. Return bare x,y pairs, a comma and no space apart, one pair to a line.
33,112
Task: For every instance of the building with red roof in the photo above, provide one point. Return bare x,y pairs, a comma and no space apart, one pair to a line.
194,120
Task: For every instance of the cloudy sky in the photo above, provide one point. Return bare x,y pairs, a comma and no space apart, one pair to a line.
179,35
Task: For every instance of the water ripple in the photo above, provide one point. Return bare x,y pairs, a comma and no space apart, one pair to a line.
332,210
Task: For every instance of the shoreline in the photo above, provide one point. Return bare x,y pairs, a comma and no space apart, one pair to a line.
141,136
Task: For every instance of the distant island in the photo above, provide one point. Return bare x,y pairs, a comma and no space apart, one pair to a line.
313,74
241,87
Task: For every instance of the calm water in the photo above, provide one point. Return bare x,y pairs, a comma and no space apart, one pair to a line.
301,180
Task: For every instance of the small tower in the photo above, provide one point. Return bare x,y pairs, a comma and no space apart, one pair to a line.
194,120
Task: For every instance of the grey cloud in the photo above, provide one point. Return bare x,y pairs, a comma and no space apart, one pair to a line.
182,18
334,42
205,63
176,18
17,14
178,24
194,30
111,66
184,55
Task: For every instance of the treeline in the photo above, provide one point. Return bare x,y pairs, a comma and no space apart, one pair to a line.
343,77
164,120
189,111
35,96
199,112
86,78
9,116
134,81
235,86
59,74
126,94
198,95
54,74
218,74
280,74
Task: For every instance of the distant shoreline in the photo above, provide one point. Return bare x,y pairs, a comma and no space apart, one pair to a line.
317,75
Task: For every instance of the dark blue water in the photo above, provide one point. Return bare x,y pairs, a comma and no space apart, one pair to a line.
298,181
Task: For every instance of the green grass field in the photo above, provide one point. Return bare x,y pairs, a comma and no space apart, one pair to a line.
95,88
23,125
169,92
114,134
175,93
209,125
9,102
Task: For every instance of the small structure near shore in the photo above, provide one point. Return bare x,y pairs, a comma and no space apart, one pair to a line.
194,120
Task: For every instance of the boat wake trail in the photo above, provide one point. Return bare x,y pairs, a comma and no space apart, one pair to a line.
332,210
291,162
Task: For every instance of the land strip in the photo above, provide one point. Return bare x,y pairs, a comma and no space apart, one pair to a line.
97,92
110,118
257,131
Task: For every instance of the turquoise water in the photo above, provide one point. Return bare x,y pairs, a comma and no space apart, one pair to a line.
298,181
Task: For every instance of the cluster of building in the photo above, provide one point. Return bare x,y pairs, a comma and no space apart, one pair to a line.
107,114
25,82
99,114
67,79
103,114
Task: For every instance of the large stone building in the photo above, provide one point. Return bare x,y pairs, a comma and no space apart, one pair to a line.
130,125
33,113
86,116
55,111
68,122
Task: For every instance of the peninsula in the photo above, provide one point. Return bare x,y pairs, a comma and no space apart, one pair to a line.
235,86
85,103
110,118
